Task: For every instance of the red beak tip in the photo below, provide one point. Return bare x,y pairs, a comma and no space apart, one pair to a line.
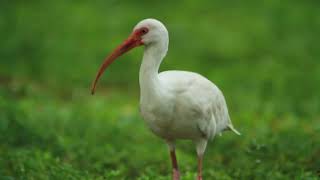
92,92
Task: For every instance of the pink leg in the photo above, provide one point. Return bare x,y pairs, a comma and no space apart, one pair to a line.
176,174
201,147
200,167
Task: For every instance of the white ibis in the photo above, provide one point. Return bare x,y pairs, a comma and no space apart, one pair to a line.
174,104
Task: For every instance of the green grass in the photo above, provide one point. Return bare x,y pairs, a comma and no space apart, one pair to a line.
79,136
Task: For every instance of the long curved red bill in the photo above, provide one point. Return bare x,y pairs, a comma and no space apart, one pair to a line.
132,42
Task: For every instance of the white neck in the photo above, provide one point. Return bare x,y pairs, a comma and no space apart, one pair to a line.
150,85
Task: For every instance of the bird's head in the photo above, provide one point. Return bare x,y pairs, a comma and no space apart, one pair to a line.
156,32
147,32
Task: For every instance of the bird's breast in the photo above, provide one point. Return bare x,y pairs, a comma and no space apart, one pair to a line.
158,118
169,120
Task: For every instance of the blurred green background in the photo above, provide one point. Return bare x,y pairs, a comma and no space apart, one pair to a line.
264,56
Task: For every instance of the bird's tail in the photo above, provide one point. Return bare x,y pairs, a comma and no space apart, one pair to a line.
230,127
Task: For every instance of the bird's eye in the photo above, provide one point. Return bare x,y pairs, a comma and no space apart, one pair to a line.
144,31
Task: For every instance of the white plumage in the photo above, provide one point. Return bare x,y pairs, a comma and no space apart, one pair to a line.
174,104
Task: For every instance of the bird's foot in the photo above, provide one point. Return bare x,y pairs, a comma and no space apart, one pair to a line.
176,174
